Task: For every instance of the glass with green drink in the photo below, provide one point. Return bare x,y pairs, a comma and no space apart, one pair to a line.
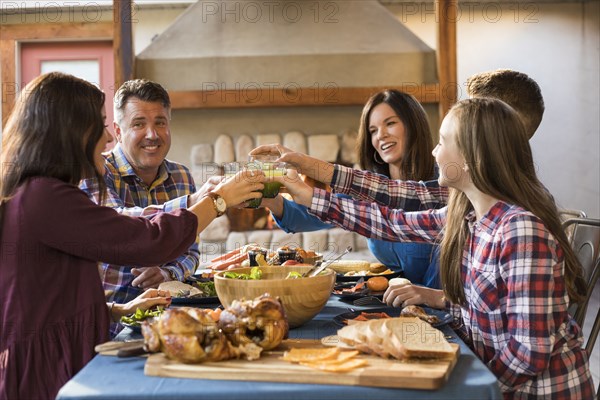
232,168
271,168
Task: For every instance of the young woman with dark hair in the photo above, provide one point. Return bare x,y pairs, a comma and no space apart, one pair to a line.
52,306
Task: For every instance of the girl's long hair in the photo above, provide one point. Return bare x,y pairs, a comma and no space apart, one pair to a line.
52,132
417,163
493,142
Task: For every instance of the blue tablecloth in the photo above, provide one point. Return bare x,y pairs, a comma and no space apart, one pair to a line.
107,377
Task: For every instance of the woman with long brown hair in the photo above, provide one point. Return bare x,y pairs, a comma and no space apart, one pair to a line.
393,140
52,306
506,265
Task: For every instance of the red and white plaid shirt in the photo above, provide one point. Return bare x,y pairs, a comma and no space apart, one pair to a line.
515,318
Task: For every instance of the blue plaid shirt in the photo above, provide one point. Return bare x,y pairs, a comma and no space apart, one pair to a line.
129,195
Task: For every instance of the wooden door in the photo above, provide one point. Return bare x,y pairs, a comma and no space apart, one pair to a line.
92,61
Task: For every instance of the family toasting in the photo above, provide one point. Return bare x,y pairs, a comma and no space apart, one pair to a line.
467,220
506,266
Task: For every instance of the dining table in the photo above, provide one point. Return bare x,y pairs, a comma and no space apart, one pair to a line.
111,377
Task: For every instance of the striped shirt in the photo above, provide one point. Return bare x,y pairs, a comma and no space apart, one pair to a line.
515,318
129,195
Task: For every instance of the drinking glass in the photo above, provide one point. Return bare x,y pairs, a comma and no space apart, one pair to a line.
271,168
232,168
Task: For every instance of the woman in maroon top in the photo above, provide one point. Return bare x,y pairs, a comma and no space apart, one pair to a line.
52,306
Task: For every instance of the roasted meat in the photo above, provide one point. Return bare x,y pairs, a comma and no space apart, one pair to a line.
416,311
190,335
260,321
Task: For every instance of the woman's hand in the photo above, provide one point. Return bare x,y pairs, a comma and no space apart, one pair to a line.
208,186
150,298
295,186
318,170
243,186
406,295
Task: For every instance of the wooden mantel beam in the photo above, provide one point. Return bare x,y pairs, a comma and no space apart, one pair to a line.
308,96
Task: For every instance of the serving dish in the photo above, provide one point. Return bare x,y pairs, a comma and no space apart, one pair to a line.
365,291
355,278
444,317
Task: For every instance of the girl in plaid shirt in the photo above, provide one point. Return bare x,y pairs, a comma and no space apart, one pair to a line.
506,265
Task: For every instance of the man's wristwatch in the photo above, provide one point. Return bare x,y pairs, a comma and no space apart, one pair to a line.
218,203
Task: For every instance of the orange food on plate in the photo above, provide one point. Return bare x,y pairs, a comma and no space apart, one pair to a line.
377,284
354,289
366,316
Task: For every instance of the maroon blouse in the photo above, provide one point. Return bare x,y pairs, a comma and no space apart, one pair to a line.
52,306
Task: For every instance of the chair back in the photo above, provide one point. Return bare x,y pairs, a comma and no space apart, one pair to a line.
585,241
584,236
566,214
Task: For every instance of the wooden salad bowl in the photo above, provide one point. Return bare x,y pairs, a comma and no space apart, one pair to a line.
302,298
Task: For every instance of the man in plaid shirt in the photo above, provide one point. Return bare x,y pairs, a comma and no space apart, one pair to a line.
141,182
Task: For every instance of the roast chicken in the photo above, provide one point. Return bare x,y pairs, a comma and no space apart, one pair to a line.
260,321
191,335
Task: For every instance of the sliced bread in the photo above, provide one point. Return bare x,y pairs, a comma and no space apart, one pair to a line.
376,338
355,335
410,337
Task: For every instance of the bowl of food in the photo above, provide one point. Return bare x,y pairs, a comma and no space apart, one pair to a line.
302,298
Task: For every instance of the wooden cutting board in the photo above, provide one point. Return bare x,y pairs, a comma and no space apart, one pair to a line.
413,374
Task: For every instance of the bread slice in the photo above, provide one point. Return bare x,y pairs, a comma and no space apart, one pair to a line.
179,289
376,338
410,337
355,335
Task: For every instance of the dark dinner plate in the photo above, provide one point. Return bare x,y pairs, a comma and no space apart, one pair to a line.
357,295
443,316
195,300
355,278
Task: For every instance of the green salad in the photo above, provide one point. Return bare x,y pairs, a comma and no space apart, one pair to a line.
208,288
256,274
140,315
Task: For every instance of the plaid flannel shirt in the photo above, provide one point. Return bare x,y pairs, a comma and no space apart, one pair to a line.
407,195
515,318
129,195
